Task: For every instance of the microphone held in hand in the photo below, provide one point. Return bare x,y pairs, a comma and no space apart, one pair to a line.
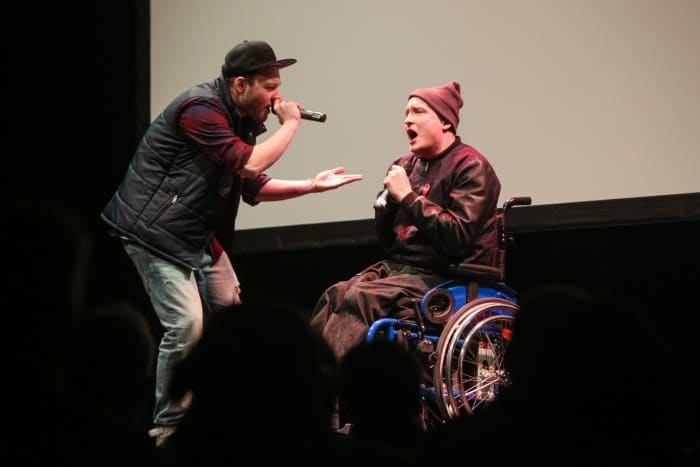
307,114
382,199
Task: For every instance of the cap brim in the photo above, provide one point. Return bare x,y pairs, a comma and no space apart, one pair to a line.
283,63
245,71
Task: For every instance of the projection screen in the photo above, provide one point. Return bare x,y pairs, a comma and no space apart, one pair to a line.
570,100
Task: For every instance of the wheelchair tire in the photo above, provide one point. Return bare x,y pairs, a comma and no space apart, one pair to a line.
469,372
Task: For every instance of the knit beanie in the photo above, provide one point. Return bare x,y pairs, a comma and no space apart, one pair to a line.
445,100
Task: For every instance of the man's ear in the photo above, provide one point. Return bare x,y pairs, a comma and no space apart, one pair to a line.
239,84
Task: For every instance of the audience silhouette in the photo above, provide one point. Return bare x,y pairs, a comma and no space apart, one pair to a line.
379,386
259,374
77,382
583,371
49,255
109,376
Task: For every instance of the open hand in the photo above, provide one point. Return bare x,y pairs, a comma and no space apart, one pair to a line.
332,179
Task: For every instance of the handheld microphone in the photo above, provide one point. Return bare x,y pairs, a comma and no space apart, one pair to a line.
382,199
307,114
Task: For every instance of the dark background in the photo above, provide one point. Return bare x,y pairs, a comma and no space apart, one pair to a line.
78,103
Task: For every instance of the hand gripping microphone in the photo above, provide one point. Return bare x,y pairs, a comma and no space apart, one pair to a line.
307,114
383,197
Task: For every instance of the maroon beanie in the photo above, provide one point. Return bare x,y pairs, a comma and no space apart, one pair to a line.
445,100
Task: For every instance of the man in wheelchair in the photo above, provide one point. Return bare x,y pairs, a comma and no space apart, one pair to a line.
438,208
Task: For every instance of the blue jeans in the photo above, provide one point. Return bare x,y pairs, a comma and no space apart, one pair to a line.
180,298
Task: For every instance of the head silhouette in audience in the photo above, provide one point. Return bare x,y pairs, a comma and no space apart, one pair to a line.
380,383
108,380
258,372
111,361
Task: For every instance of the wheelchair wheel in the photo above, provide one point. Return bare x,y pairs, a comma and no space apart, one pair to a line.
469,369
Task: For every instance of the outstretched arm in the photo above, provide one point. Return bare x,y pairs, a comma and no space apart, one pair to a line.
277,190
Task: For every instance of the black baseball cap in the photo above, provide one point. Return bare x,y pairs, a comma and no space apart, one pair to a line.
249,56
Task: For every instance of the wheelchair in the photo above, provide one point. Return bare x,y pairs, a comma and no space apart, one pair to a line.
461,332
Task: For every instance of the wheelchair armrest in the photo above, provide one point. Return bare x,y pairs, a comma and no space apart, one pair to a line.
478,271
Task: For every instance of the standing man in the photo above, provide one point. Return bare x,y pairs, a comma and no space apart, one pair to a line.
176,207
